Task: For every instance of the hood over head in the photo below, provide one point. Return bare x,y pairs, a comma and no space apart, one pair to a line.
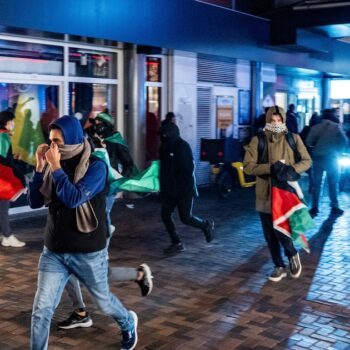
275,110
169,132
71,129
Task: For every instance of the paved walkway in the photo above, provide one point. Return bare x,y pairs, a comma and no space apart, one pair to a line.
212,296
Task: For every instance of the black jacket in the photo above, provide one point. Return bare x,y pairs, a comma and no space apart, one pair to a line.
176,165
119,154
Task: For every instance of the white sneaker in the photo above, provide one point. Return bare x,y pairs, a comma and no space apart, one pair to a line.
12,241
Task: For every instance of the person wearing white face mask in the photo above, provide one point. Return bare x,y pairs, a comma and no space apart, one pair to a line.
6,159
277,153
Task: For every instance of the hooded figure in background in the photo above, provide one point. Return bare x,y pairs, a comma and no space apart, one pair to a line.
177,186
279,161
103,135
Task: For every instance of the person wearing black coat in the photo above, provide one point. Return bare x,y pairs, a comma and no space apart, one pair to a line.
178,187
292,122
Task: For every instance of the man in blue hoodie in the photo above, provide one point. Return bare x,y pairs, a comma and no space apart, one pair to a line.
73,184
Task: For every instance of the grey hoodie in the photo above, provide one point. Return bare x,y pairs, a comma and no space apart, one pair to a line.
326,139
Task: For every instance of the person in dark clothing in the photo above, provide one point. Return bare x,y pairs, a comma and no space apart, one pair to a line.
73,184
327,141
170,117
315,119
177,186
103,136
292,121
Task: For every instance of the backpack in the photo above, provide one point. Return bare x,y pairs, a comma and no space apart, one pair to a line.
263,151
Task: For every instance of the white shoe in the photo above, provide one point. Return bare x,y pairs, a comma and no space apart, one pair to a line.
12,241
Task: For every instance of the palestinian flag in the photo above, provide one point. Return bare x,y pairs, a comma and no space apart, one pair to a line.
140,181
290,214
12,182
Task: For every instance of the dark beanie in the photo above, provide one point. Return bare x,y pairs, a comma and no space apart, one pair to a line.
71,129
6,116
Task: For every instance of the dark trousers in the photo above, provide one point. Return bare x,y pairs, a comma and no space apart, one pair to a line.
184,207
275,239
4,218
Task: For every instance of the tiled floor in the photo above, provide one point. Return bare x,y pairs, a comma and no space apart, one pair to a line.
212,296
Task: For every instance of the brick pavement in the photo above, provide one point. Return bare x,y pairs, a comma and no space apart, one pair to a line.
212,296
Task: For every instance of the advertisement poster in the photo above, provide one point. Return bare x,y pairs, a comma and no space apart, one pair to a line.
224,116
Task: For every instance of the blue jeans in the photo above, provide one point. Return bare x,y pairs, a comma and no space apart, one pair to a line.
54,272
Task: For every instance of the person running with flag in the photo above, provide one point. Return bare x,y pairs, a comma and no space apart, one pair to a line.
277,165
12,182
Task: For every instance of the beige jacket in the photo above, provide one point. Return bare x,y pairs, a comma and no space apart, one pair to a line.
278,149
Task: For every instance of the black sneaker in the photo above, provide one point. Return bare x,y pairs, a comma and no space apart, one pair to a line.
130,337
174,249
337,211
295,266
277,274
209,230
146,284
313,212
76,321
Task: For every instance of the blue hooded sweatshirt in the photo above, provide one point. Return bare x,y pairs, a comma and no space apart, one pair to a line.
72,195
71,129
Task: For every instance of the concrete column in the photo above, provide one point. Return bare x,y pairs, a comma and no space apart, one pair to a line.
136,120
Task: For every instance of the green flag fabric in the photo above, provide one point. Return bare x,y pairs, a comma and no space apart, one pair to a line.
116,138
4,143
145,181
140,181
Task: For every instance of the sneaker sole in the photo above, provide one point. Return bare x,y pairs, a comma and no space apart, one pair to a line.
78,325
136,320
12,246
297,275
277,279
149,273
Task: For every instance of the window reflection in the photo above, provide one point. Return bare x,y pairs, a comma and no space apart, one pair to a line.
87,100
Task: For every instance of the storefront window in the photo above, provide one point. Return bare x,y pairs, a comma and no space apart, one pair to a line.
87,100
92,63
22,57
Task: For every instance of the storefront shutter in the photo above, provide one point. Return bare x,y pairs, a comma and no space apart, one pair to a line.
203,131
